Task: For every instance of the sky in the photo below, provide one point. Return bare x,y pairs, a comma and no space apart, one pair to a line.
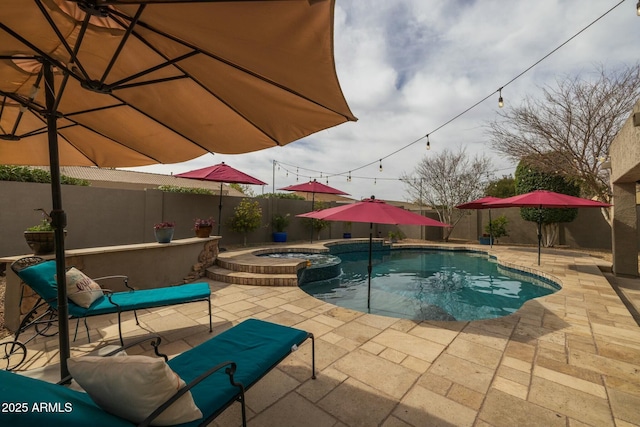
408,68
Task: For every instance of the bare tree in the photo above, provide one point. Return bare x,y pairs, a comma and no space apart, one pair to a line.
446,180
575,122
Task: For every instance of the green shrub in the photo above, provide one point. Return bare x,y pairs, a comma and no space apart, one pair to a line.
498,227
247,216
317,225
528,178
397,234
27,174
45,225
289,196
185,190
280,222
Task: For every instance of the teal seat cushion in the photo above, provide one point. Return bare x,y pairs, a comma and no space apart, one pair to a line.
42,279
29,402
254,345
144,298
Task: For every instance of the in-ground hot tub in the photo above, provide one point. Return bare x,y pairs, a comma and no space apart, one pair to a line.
320,266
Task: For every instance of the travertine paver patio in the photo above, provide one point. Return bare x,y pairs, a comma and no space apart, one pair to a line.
568,359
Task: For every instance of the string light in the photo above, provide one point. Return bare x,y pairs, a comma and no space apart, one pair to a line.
638,8
500,99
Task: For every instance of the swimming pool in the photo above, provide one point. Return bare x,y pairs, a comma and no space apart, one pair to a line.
429,285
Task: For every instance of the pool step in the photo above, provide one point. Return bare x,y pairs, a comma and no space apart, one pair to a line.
249,263
225,275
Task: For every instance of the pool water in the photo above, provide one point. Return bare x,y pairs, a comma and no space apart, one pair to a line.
314,258
430,285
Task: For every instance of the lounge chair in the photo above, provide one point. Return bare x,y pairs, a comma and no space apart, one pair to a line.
217,374
40,275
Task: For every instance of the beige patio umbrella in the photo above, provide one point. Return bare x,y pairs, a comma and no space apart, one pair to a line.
116,83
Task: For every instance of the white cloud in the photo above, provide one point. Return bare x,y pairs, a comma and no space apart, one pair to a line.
407,67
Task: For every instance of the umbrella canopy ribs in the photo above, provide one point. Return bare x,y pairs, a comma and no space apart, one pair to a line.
165,82
121,83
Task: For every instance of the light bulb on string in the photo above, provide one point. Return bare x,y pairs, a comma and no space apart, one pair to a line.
327,180
638,8
375,181
349,177
380,165
500,100
428,143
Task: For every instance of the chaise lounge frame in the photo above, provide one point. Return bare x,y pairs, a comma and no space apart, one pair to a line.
44,311
235,360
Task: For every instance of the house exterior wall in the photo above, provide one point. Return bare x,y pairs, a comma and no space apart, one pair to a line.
624,155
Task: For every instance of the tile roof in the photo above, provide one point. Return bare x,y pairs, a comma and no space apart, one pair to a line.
95,174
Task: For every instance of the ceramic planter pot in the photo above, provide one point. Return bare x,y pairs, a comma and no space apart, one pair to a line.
41,242
280,236
164,235
203,231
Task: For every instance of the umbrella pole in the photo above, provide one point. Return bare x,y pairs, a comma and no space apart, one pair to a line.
313,202
369,268
539,232
490,231
58,219
220,209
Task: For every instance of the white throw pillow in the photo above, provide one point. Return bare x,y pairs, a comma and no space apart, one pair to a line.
132,387
81,289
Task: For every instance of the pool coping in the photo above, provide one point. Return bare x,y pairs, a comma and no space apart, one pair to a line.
569,358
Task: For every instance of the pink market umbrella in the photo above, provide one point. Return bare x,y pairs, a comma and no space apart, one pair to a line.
372,210
222,173
314,187
545,199
481,204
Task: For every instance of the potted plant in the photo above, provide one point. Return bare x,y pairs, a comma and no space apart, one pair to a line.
346,234
203,227
394,236
279,223
497,228
247,216
164,231
41,237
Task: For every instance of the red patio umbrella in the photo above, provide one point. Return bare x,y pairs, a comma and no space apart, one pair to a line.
372,210
222,173
314,187
481,204
545,199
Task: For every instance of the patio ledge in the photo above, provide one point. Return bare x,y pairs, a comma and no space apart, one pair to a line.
148,265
